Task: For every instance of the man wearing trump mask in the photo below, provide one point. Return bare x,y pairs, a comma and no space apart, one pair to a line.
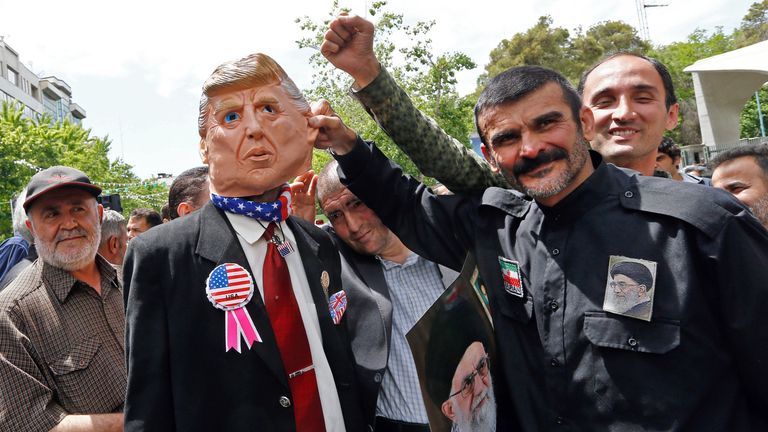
235,313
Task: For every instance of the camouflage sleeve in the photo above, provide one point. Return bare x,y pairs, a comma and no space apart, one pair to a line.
434,152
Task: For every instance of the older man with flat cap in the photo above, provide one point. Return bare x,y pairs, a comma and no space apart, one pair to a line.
61,320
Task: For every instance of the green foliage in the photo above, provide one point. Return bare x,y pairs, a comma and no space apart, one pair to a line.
679,55
28,145
754,25
750,121
429,78
555,48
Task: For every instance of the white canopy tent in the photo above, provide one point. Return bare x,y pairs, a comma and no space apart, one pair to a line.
723,84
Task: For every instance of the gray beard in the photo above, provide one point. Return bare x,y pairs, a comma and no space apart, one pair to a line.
481,420
69,262
578,156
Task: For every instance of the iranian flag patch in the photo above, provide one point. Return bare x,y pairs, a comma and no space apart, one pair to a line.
510,272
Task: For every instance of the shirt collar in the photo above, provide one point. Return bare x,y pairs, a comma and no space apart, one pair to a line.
61,281
596,188
410,260
248,228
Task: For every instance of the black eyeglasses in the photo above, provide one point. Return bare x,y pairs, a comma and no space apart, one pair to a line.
622,285
469,381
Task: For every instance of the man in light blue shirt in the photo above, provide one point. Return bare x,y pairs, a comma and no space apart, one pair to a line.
389,288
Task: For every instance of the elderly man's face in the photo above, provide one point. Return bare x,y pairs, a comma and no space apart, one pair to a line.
626,95
256,141
744,178
66,224
475,408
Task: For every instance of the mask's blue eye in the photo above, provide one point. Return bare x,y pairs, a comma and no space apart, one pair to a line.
269,109
230,117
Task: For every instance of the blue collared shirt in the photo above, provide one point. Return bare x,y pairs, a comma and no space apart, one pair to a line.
413,286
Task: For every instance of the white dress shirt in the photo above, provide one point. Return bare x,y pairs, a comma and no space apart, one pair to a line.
249,233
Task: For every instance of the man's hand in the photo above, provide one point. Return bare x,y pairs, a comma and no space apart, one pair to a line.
303,192
334,134
348,45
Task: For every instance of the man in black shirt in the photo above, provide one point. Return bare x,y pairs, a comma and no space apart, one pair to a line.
566,362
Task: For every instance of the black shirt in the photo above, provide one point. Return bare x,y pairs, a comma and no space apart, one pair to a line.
565,363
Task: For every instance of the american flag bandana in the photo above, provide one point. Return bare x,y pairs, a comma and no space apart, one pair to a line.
275,211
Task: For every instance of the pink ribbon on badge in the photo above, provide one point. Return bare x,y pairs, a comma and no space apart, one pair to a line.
240,323
230,287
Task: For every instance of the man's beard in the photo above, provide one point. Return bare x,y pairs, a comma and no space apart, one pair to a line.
482,419
760,210
574,163
71,261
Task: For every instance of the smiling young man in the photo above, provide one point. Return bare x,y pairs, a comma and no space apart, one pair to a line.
61,319
563,354
235,313
633,101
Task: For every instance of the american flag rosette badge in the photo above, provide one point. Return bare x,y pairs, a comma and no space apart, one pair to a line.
230,287
337,304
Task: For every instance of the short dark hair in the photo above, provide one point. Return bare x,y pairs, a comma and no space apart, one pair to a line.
757,151
186,187
164,212
669,148
634,270
152,217
515,83
669,88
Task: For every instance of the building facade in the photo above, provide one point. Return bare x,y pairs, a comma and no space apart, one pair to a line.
39,95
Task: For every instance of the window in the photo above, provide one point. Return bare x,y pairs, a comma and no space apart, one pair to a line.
13,77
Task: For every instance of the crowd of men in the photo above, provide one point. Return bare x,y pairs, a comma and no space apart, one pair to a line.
637,304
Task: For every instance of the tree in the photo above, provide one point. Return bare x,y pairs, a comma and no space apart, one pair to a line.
679,55
555,48
429,78
750,121
754,25
29,145
541,45
600,40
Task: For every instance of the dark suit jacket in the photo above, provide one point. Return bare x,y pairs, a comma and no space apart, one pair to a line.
179,375
369,318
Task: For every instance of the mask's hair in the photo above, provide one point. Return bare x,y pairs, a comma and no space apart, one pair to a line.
256,70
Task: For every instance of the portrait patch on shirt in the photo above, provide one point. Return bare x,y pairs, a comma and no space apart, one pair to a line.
630,287
510,272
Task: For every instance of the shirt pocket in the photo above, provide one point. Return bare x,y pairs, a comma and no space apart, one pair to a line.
84,380
632,366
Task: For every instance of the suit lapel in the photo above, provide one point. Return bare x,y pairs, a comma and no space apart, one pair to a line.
218,243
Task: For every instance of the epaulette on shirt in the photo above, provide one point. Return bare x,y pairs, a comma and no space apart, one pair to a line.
704,207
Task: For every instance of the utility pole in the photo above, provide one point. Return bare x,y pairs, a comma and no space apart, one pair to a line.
760,114
641,5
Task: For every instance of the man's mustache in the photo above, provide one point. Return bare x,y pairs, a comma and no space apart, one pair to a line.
77,232
526,165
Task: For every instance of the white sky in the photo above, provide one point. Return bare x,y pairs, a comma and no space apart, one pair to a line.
136,67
